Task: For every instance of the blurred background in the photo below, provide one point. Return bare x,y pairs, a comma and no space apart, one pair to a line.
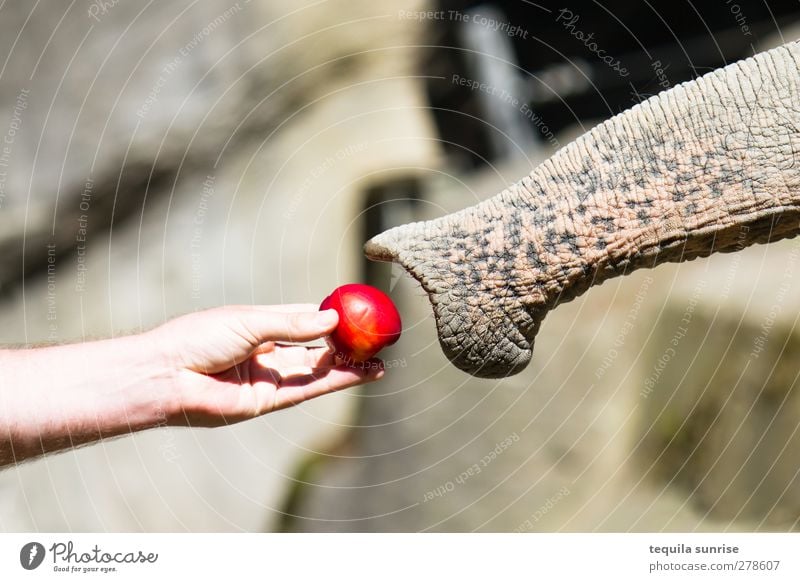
166,157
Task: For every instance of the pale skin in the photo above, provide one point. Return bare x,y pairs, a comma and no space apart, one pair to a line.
209,368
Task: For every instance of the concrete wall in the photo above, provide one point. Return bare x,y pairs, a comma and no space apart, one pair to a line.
267,133
230,144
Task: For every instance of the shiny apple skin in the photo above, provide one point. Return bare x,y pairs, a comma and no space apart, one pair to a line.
368,321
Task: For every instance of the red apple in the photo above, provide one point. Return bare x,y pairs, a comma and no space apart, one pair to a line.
368,321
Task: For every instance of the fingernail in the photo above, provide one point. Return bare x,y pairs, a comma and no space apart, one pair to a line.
327,318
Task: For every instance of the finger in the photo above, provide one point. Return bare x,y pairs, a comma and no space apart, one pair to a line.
294,391
295,326
293,308
280,308
285,356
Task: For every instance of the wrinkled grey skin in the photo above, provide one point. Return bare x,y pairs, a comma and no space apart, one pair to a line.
708,166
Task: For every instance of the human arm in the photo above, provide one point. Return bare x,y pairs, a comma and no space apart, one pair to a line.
209,368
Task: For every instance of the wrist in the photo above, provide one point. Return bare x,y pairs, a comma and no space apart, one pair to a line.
150,388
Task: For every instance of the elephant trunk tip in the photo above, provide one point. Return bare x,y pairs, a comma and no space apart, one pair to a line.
380,248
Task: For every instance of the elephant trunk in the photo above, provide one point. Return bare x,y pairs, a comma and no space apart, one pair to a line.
708,166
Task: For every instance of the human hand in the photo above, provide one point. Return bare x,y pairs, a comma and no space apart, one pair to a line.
230,364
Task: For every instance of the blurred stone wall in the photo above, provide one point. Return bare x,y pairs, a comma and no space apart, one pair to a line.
182,155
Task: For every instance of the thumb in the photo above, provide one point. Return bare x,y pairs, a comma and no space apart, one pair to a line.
288,327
